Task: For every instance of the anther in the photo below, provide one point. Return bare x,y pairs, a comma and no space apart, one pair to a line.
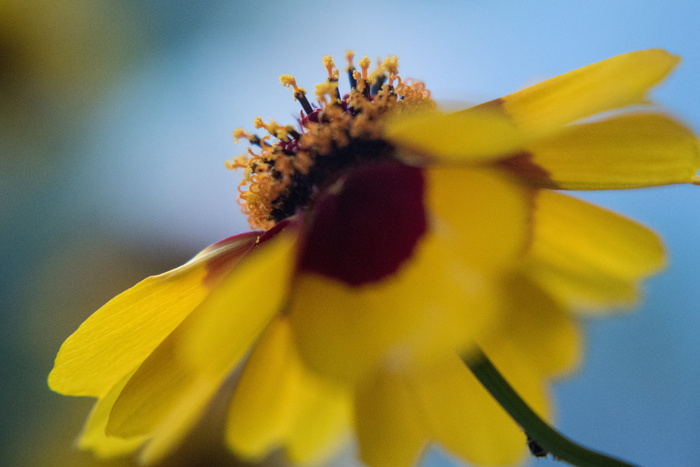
299,93
332,73
329,89
349,55
240,133
364,66
330,66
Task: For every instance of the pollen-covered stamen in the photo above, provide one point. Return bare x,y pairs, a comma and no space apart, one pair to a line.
240,133
279,132
327,93
299,93
378,78
349,56
362,77
333,73
340,136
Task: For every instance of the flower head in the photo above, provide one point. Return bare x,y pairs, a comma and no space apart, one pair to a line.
392,241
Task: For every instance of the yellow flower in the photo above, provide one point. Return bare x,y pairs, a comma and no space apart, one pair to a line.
393,240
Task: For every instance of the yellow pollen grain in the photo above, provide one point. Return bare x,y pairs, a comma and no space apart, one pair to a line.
274,129
326,89
330,66
391,64
240,162
289,81
239,133
364,65
258,123
349,56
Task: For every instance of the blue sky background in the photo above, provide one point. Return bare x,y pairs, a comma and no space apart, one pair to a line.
133,181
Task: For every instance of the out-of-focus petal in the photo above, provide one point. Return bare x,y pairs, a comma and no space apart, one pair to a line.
482,215
121,334
634,150
610,84
462,416
171,388
398,413
390,430
477,135
93,436
535,325
433,304
322,423
587,255
263,403
279,404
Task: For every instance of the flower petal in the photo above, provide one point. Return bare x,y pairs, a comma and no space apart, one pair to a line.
398,413
172,387
418,313
538,328
322,423
610,84
463,417
93,436
635,150
389,429
587,255
477,135
480,214
121,334
504,126
278,403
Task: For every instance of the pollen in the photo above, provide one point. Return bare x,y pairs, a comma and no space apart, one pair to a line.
330,68
292,164
289,81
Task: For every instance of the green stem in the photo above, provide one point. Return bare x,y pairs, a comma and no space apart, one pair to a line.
538,430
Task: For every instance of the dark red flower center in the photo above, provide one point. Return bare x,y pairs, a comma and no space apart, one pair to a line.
363,231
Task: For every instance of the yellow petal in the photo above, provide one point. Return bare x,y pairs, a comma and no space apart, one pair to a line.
538,328
627,151
172,387
587,255
463,417
278,403
93,436
421,310
433,304
399,413
477,135
263,403
521,373
613,83
482,216
322,423
390,430
121,334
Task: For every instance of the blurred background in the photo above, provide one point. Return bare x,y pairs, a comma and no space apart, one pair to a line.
116,119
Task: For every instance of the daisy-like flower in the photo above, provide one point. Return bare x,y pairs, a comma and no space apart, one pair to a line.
392,243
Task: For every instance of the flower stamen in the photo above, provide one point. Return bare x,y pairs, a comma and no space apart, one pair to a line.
341,134
299,93
349,56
